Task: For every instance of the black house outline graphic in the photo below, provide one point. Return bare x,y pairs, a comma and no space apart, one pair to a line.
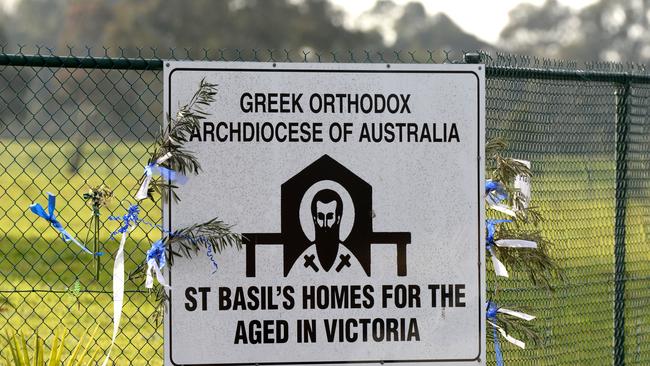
294,241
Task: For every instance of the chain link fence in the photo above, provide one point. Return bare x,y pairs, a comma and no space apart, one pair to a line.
71,122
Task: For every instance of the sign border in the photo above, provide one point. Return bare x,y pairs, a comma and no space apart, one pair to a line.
479,105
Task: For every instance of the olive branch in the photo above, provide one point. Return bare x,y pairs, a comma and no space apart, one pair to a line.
213,233
537,264
174,136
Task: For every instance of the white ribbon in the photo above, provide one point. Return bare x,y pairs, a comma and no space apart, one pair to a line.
509,338
515,243
516,314
118,291
499,268
143,192
152,266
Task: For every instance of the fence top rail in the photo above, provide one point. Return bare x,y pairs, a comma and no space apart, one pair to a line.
86,62
566,74
494,68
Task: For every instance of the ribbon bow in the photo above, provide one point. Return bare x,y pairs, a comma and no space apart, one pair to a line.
491,314
152,169
155,262
499,268
495,192
495,189
49,216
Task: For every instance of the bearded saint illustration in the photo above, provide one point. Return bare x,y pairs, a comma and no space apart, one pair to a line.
330,232
327,252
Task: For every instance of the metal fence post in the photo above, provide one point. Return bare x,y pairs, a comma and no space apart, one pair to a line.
622,95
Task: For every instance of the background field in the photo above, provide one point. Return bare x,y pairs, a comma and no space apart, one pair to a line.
41,267
575,320
104,120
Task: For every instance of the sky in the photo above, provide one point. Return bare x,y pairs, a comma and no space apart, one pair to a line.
482,18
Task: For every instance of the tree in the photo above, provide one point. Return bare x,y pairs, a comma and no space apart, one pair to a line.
615,30
416,30
3,81
3,35
36,22
13,86
85,21
608,30
411,28
244,24
542,31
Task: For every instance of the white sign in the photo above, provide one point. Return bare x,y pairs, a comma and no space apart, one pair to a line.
359,189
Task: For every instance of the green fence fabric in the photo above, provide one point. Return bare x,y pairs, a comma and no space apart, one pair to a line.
63,130
70,122
586,134
567,130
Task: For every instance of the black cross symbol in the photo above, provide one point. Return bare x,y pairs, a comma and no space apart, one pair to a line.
345,262
309,262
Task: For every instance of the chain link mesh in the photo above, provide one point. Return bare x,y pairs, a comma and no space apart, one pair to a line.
68,122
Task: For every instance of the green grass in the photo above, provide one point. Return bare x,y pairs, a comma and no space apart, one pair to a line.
576,198
575,195
34,258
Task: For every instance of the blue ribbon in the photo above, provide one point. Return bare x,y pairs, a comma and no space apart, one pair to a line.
131,218
495,191
201,240
157,252
210,255
491,314
154,169
491,230
156,262
49,216
491,185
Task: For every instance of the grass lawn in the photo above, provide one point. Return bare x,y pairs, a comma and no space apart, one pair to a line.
575,195
38,268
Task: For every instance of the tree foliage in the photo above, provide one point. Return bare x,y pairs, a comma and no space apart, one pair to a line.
614,30
608,30
521,224
310,25
242,24
3,35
